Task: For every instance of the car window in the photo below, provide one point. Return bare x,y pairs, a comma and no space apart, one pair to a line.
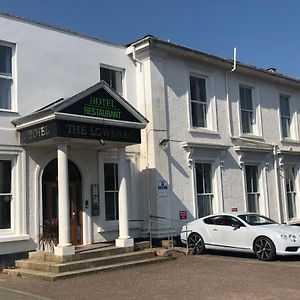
227,221
209,221
254,219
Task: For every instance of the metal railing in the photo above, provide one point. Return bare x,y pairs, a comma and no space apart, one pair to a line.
150,222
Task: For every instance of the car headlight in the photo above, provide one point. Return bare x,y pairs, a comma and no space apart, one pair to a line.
284,236
293,238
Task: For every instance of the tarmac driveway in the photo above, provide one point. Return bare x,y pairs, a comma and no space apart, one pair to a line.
188,277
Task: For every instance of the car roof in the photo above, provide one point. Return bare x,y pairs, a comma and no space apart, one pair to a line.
232,214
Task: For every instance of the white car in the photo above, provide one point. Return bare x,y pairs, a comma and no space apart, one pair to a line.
243,232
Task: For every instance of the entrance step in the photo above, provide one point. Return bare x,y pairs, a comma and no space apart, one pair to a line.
48,267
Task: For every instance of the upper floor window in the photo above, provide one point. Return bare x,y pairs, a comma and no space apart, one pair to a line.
6,76
111,191
112,77
252,188
204,189
247,113
5,193
198,101
285,116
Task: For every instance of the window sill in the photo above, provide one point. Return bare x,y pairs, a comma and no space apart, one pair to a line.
203,131
252,137
5,238
289,141
8,111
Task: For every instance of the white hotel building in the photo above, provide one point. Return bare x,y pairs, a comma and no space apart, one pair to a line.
101,136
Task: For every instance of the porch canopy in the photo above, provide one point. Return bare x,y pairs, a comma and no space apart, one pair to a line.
95,114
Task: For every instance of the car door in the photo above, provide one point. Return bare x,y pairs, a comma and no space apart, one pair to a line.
229,232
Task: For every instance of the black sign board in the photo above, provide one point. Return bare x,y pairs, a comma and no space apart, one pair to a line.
81,130
100,104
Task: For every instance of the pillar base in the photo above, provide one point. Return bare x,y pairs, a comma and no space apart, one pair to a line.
124,242
64,250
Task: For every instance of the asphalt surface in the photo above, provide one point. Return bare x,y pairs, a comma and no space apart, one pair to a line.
210,276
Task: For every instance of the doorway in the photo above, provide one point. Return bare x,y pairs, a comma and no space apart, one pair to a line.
50,198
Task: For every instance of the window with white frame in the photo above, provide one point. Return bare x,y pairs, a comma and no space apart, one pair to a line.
290,192
5,193
252,185
111,191
112,77
204,189
285,116
6,76
247,112
198,101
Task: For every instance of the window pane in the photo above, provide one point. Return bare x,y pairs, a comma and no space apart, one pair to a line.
200,178
246,98
5,93
109,177
5,212
291,202
284,106
5,60
113,78
198,89
285,125
252,179
5,176
110,205
199,115
204,205
253,203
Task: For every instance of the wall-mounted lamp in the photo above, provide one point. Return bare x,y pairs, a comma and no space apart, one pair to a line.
102,142
163,143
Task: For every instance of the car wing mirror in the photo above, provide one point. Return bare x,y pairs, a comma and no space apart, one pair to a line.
236,226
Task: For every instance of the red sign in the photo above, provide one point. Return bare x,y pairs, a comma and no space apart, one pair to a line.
234,209
182,214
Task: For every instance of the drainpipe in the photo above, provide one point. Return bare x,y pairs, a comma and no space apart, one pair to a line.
137,61
226,90
276,166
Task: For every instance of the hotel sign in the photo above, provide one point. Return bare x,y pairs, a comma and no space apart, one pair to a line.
79,130
100,104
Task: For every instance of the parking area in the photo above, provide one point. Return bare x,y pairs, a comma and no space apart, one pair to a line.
210,276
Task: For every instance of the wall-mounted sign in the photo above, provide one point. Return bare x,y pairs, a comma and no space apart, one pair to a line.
182,214
100,104
162,187
62,128
234,209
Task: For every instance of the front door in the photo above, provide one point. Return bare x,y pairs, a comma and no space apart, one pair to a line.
50,199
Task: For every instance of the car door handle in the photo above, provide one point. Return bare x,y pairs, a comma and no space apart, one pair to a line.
215,229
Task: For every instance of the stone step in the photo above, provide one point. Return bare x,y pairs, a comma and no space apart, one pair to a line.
27,273
55,267
99,252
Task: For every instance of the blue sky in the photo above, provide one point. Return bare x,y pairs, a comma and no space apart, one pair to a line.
265,32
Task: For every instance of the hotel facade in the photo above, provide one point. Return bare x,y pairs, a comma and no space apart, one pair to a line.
108,139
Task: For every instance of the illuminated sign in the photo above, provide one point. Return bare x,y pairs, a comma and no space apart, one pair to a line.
70,129
101,104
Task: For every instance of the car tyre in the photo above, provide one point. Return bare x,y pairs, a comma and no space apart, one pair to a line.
196,243
264,248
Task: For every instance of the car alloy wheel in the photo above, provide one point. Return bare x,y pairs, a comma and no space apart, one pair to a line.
264,248
196,243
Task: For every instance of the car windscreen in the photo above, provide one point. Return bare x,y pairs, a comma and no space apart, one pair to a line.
254,220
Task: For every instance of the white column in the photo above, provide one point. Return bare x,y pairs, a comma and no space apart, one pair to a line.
124,240
64,246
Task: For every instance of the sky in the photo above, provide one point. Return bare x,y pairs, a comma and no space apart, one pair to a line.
265,32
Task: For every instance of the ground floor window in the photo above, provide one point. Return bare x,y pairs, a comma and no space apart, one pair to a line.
290,192
5,193
204,189
252,189
111,191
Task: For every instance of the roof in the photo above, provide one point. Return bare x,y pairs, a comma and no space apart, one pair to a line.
57,28
181,50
